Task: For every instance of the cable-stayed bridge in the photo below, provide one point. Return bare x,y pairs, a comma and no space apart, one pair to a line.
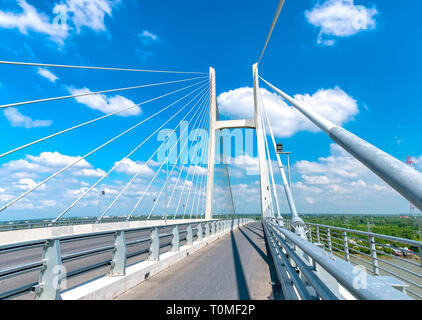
174,221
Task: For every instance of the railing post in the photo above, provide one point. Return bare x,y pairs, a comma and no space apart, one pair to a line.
213,228
175,241
189,235
118,262
199,232
318,235
374,258
49,283
154,249
346,246
207,229
309,233
330,247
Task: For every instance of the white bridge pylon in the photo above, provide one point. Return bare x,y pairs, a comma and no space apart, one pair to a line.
256,123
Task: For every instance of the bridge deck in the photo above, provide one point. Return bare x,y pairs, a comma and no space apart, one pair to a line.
234,267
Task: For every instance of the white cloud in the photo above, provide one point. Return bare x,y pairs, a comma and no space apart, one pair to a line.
340,18
56,159
30,19
106,104
18,176
147,37
131,167
48,162
310,200
47,74
65,17
17,119
89,173
334,104
313,180
339,182
89,13
26,184
198,170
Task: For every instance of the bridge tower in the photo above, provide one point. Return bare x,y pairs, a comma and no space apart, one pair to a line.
256,124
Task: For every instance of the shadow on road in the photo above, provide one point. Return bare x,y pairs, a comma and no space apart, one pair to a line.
255,227
277,294
260,252
254,231
242,286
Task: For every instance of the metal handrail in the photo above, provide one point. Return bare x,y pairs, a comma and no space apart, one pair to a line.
377,235
378,253
43,264
84,236
340,269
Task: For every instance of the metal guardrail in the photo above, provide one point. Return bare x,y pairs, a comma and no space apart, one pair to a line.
71,222
309,272
51,264
379,254
48,223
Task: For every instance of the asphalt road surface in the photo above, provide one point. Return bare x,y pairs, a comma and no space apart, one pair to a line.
234,267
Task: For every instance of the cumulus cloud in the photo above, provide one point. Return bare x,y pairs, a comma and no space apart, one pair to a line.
106,104
65,17
88,13
89,173
48,162
340,181
17,119
336,183
334,104
30,19
198,170
131,167
56,159
18,176
340,18
47,74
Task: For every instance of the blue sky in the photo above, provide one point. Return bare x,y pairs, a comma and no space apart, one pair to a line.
365,77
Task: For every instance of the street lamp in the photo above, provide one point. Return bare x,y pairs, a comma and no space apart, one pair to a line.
280,151
102,193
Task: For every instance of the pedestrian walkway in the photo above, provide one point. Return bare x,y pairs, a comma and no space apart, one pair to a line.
235,267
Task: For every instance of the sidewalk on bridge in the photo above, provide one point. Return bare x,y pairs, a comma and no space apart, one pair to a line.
235,267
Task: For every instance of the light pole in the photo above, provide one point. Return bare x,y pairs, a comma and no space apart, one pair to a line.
102,193
280,151
153,201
